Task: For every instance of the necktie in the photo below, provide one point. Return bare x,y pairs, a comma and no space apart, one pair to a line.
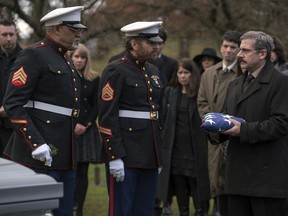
248,80
226,70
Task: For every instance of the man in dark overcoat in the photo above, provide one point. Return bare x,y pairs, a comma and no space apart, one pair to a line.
256,172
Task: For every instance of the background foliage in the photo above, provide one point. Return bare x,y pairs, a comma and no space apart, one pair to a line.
187,21
191,24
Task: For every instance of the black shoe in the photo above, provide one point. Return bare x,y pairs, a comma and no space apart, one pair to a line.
216,213
157,211
79,213
184,211
199,212
167,209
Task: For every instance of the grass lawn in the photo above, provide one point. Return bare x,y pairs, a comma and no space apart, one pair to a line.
96,203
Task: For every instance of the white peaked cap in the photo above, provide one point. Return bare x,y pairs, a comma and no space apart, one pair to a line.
69,15
143,29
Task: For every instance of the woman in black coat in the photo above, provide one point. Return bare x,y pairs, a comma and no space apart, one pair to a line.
185,159
88,144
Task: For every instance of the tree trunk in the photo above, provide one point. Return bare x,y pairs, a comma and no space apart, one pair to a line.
184,47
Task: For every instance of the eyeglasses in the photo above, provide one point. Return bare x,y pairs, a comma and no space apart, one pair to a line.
74,30
245,51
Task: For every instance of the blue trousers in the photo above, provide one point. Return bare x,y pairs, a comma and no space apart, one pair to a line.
134,196
67,177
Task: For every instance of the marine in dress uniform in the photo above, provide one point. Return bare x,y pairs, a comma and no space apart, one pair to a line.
42,103
130,94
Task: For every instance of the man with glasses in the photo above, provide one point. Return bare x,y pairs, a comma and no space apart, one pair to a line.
9,49
129,100
42,103
256,172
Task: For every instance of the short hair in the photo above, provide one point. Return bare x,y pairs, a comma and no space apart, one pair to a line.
127,41
232,36
262,41
6,22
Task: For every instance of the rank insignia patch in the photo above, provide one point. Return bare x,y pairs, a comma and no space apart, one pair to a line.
19,77
107,92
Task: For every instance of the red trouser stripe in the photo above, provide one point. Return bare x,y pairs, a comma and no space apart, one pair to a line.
111,196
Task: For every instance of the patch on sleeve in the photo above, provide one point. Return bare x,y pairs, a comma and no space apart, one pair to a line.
107,92
106,131
18,121
19,77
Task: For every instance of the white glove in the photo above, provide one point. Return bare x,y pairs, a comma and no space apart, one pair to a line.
42,153
116,168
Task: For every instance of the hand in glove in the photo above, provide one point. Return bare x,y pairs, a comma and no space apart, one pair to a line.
42,153
116,168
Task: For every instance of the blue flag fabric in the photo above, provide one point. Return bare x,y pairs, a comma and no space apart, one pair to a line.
218,122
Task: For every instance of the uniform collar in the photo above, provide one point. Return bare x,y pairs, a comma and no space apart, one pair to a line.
56,46
137,61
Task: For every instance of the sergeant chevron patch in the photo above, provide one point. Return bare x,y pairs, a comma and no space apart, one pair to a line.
107,92
19,77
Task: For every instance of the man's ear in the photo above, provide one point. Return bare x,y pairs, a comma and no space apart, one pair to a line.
263,54
134,44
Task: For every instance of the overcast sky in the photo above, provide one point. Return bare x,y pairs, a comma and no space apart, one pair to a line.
24,29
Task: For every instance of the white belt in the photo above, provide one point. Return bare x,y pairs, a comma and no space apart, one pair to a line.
49,107
153,115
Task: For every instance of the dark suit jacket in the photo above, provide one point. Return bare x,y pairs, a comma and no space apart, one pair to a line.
167,66
257,161
5,69
127,84
42,72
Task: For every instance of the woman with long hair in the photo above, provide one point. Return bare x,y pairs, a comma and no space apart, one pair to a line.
185,153
88,144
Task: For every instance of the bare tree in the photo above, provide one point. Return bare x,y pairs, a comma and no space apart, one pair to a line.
184,19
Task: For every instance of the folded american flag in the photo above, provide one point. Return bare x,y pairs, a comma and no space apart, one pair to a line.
219,122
